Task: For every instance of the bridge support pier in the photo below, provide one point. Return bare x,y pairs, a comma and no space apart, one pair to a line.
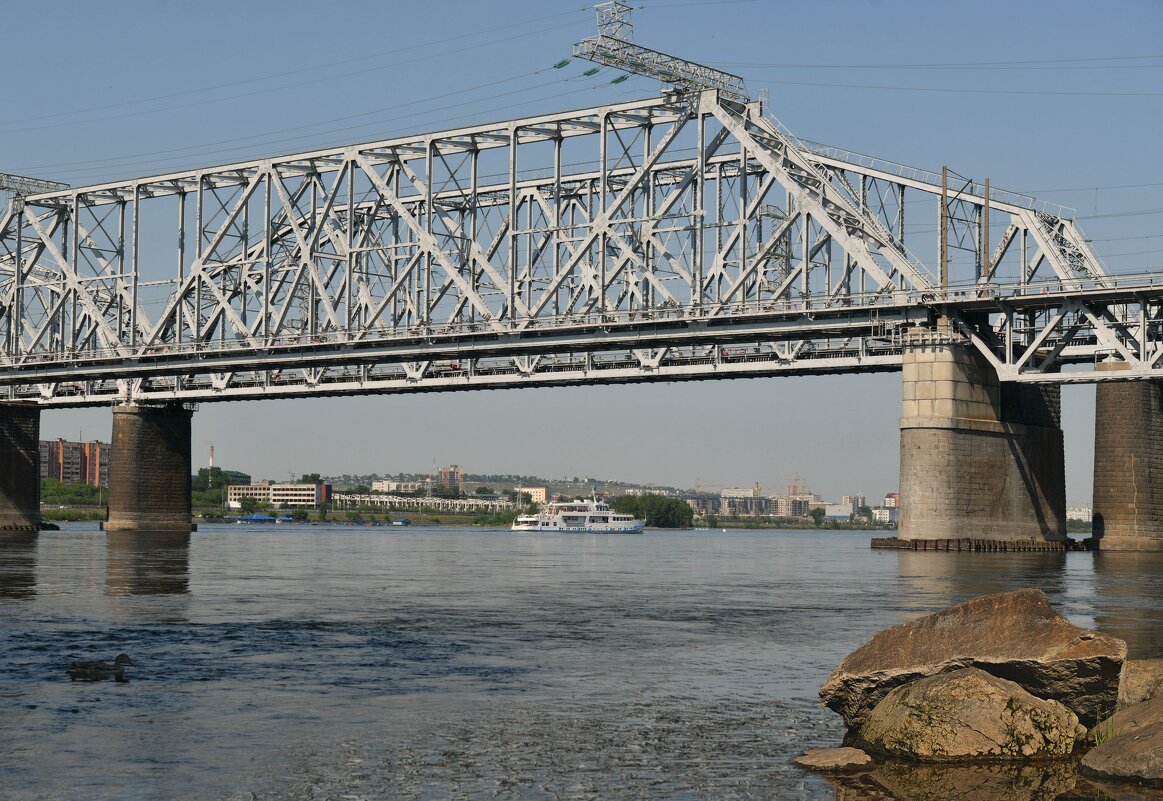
149,473
1128,464
979,459
19,467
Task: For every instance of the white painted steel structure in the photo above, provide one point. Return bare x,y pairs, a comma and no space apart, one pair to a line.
682,237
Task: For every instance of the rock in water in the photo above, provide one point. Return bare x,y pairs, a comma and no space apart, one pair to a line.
1011,635
1140,681
1127,720
1135,756
969,714
833,759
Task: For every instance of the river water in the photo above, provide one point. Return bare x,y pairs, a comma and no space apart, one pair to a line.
310,662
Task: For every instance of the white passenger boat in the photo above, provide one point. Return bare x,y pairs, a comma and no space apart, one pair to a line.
580,516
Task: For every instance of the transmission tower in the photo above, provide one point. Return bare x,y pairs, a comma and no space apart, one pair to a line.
613,47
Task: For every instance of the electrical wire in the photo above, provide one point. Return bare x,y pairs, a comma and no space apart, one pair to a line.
555,95
314,68
952,90
1094,188
258,92
1054,63
1129,213
198,149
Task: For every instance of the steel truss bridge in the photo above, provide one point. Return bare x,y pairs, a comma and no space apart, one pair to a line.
682,237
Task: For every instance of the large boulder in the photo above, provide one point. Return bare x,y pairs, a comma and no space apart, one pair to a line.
1129,719
1011,635
1141,680
1136,756
968,714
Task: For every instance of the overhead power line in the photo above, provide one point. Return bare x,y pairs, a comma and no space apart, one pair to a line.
311,69
1055,63
951,90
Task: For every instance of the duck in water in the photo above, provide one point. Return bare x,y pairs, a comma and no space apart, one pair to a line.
99,670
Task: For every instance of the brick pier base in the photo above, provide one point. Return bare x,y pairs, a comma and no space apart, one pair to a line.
149,473
1128,464
980,460
19,467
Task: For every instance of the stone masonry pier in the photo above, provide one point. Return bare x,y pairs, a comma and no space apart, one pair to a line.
980,460
1128,464
149,474
19,467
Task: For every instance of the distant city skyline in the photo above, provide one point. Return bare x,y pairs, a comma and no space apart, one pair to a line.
1061,101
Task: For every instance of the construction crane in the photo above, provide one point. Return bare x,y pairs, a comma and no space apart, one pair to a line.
613,47
795,484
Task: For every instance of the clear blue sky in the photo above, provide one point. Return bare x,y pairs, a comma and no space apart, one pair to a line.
1059,99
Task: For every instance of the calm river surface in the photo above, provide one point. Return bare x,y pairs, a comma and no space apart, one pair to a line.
348,663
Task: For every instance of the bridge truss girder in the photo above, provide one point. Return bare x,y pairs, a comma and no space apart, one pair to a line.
365,268
1061,335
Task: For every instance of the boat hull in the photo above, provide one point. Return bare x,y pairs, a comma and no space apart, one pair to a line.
599,528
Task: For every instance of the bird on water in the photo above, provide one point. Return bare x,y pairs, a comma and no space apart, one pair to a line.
99,670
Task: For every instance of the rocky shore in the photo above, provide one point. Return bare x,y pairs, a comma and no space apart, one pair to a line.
999,698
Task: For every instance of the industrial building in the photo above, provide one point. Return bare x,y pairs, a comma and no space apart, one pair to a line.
279,494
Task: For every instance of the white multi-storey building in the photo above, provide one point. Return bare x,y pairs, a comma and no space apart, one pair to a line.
392,485
1083,513
279,494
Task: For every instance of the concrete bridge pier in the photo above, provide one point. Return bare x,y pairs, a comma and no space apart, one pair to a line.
1128,464
149,473
980,459
19,467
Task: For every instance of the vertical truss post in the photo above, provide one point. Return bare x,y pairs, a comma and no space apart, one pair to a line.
943,229
698,214
742,216
603,188
268,244
512,233
117,280
806,259
900,217
135,238
349,284
986,268
473,207
179,312
429,218
556,237
200,204
14,314
647,227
